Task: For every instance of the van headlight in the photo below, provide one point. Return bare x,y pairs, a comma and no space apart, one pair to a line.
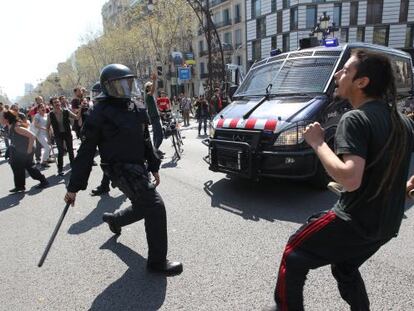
291,136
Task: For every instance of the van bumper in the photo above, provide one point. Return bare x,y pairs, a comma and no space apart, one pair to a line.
238,158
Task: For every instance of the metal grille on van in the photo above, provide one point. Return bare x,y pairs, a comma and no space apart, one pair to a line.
327,53
278,57
300,54
259,63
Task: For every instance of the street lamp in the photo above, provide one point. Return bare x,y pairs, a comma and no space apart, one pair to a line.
323,27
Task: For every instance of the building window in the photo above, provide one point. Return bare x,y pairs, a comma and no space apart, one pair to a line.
200,46
409,36
403,11
238,38
344,34
374,12
273,6
286,4
226,17
353,21
318,1
202,69
310,16
361,34
286,42
337,14
237,14
256,8
256,50
279,21
261,27
239,60
381,35
227,38
273,44
294,18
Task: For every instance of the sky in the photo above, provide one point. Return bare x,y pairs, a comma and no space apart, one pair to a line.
36,35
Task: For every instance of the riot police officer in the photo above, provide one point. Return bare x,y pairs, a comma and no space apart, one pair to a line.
118,125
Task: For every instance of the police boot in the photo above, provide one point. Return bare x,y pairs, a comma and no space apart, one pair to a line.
99,191
109,218
167,267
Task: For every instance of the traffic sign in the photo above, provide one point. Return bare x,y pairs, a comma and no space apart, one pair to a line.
184,73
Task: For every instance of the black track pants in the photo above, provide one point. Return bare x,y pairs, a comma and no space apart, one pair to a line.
325,239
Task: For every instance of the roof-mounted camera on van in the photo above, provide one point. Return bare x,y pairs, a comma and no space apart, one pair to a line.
275,52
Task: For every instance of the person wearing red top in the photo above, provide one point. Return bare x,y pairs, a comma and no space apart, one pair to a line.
163,102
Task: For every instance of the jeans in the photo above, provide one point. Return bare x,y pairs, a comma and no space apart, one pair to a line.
61,139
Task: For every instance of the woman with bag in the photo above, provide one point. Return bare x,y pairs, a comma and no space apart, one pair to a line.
21,154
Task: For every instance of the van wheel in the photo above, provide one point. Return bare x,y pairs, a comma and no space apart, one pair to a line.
321,179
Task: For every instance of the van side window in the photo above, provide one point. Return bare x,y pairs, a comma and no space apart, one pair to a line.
403,74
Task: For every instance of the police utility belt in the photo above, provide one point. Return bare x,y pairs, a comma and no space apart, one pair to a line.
116,170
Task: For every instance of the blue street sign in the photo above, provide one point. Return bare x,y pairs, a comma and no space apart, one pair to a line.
184,73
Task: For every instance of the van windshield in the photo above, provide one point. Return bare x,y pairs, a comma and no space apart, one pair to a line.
293,76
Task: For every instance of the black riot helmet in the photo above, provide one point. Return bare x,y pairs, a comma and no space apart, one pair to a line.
118,81
96,89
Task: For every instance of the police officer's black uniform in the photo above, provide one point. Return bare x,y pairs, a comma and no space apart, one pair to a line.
119,128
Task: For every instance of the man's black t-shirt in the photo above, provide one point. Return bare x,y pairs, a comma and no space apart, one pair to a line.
364,132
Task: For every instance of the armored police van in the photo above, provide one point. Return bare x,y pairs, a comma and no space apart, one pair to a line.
261,132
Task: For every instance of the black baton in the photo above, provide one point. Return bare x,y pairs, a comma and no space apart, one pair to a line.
52,238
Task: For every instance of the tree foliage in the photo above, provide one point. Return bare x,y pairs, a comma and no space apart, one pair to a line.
142,40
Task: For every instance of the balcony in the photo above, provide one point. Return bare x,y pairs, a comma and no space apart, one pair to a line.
224,23
237,19
216,2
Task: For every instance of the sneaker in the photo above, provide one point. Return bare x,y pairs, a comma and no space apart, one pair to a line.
44,164
17,190
42,184
109,219
61,173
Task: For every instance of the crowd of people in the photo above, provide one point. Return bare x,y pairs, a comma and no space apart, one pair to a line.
52,122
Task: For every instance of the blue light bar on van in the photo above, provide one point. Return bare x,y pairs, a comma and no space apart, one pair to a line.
275,52
331,42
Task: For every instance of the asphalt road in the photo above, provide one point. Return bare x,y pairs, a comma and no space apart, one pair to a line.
229,234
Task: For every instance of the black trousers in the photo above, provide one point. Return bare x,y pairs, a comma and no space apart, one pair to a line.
147,204
105,182
325,239
62,139
21,163
202,120
38,150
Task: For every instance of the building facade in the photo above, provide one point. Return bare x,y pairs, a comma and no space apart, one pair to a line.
229,19
280,24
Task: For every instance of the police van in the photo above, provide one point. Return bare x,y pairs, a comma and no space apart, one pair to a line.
261,132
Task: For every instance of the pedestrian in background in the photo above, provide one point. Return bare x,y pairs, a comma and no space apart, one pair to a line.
21,154
201,113
76,104
42,132
186,108
59,119
216,103
157,135
373,145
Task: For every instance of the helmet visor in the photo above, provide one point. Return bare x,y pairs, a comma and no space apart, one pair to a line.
122,88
